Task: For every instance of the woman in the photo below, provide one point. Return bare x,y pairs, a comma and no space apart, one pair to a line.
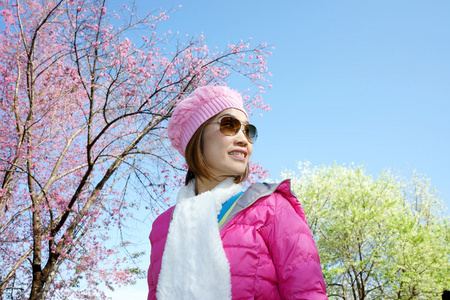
220,243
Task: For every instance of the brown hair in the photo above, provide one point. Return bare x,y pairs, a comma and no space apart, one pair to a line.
196,161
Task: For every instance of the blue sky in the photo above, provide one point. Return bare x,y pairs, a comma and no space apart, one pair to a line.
353,81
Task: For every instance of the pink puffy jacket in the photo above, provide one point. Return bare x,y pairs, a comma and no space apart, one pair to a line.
268,243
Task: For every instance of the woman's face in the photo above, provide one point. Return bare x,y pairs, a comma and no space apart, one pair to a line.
226,156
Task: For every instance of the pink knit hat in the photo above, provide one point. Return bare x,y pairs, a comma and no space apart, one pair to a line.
202,104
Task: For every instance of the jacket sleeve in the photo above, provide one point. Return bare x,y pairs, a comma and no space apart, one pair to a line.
151,286
158,236
294,252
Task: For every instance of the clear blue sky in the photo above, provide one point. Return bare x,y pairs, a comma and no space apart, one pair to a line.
353,81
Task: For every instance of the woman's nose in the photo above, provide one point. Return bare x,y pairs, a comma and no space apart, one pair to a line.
241,138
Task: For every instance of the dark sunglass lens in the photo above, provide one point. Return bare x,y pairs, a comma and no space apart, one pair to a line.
228,126
251,133
237,125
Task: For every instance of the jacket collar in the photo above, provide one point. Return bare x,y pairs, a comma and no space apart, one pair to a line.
255,192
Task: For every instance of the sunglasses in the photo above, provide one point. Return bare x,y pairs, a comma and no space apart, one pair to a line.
231,126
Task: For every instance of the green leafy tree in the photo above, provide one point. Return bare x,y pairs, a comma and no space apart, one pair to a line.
378,238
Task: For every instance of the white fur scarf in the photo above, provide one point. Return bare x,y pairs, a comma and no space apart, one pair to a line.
194,264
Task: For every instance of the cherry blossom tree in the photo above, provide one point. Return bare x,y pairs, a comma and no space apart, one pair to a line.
86,92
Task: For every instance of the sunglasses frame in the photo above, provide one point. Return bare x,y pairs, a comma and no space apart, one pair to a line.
251,140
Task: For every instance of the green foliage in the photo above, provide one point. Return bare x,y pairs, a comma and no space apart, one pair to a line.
383,238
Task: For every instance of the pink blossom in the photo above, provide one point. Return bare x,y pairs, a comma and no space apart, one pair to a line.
88,108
